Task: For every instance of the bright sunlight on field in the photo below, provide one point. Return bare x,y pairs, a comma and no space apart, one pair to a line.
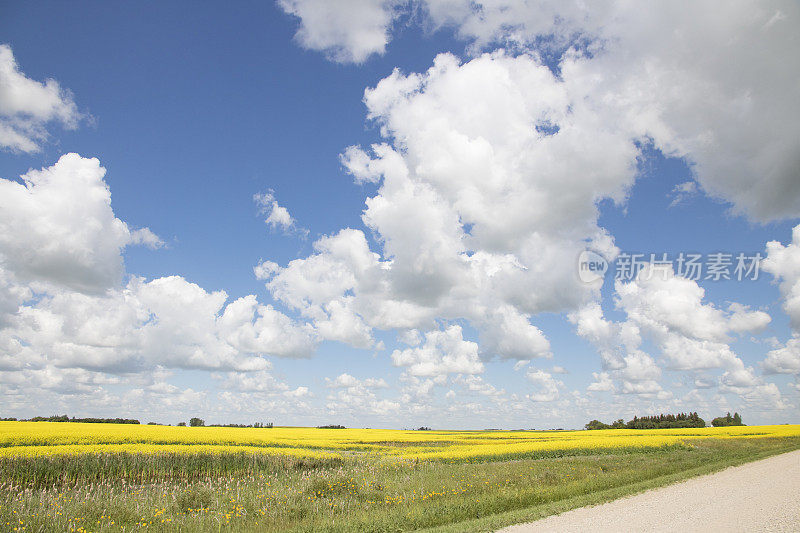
44,439
125,477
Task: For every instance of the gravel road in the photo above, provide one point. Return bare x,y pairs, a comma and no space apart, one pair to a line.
759,496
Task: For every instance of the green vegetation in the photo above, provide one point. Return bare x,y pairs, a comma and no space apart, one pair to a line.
359,492
65,418
197,422
662,421
65,471
255,425
727,420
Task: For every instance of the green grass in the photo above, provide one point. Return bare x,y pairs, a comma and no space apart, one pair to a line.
356,494
65,471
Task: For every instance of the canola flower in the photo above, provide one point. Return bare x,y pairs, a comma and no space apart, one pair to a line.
386,477
37,439
154,449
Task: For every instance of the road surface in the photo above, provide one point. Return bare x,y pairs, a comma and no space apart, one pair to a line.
759,496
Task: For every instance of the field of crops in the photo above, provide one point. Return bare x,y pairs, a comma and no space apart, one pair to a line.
53,438
107,477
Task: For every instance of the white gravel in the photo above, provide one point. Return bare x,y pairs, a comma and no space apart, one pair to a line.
759,496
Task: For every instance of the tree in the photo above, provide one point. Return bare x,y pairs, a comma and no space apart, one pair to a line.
660,421
727,420
596,424
196,422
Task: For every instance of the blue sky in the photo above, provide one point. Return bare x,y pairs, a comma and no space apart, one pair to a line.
462,307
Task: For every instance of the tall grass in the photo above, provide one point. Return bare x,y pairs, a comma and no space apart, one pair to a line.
354,493
66,471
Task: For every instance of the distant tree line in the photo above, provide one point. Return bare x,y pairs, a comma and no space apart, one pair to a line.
195,422
65,418
199,422
662,421
254,425
727,420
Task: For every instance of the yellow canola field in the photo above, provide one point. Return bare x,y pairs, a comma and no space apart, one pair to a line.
59,438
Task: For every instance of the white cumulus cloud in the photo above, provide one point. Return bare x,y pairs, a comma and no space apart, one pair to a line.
28,106
348,31
546,387
690,334
57,227
443,352
278,217
729,111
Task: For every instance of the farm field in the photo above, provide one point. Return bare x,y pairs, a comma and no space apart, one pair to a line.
108,477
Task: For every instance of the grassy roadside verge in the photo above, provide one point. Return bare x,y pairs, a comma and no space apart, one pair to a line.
520,516
366,494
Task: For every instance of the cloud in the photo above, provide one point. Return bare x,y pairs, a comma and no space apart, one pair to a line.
443,352
67,307
299,392
260,381
278,217
509,333
546,386
669,311
602,382
784,360
327,286
358,397
478,215
478,385
344,381
410,337
783,262
28,106
348,32
251,327
147,238
691,333
59,381
488,211
701,383
682,192
167,322
68,343
724,111
57,227
729,112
